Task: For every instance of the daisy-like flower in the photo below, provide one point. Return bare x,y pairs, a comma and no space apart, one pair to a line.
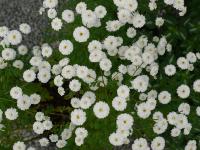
196,85
101,110
19,146
183,91
29,75
68,16
170,70
78,117
56,24
66,47
119,103
81,34
16,92
75,85
25,28
125,121
11,114
14,37
116,139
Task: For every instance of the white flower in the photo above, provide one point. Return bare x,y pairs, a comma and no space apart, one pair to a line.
157,116
56,24
191,145
160,126
181,121
172,117
110,43
79,140
152,94
47,124
68,72
143,110
85,102
46,51
140,83
152,103
101,110
35,98
138,20
147,58
38,127
81,34
16,92
81,132
52,13
196,85
29,75
131,32
82,71
96,56
175,132
182,63
89,19
140,144
19,146
3,31
169,2
68,16
11,113
18,64
122,69
100,11
131,5
8,54
61,91
44,142
123,15
14,37
44,75
183,91
78,117
170,70
75,85
24,102
191,57
105,64
158,143
159,21
94,45
50,3
119,103
61,143
25,28
66,134
90,95
123,91
53,137
75,102
164,97
81,7
116,139
39,116
58,80
124,121
198,111
36,61
184,108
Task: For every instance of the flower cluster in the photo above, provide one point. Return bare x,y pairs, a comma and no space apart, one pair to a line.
117,84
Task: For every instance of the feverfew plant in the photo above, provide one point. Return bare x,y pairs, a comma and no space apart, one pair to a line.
106,75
